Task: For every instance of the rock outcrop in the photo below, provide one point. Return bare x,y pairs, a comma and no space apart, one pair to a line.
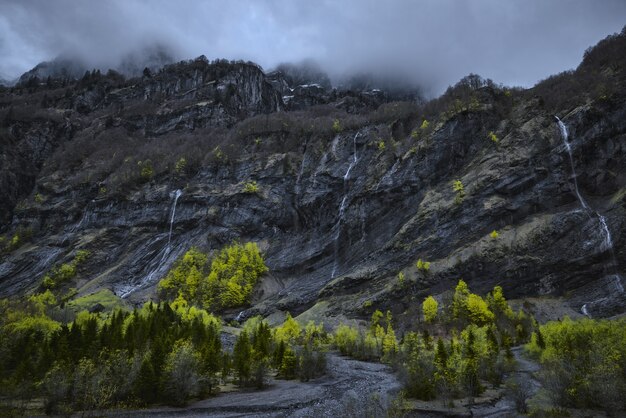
353,188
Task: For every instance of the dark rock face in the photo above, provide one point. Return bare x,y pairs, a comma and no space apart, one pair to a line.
338,213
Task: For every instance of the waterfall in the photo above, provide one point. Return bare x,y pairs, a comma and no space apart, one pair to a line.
342,206
604,228
165,251
565,136
354,158
177,194
585,311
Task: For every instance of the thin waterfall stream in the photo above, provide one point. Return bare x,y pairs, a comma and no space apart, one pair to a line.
165,251
342,206
604,228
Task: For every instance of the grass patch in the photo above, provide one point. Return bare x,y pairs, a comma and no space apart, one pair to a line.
105,297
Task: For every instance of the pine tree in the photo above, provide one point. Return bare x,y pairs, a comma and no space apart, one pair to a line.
242,355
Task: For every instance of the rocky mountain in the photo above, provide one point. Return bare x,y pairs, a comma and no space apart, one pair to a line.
67,69
350,187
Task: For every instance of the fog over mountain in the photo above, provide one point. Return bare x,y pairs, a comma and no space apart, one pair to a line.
433,42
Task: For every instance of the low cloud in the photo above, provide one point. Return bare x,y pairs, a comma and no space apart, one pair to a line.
433,42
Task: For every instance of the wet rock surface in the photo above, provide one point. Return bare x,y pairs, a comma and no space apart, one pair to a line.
337,214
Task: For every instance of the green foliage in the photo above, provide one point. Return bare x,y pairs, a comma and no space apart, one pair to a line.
289,331
477,310
429,308
494,234
182,380
425,124
583,362
497,303
65,272
401,279
219,154
250,187
459,190
492,137
97,362
469,307
146,170
181,166
337,126
104,297
381,145
289,365
423,266
39,198
227,282
459,300
13,242
378,343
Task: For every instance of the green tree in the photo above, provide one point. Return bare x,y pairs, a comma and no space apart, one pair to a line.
459,190
459,300
478,311
429,308
242,356
181,371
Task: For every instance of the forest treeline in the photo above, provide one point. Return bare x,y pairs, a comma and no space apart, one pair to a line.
174,350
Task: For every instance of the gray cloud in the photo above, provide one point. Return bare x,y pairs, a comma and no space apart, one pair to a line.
434,42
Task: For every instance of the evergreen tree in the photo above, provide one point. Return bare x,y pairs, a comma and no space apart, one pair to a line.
242,355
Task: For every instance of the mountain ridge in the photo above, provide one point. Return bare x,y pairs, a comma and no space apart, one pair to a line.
353,187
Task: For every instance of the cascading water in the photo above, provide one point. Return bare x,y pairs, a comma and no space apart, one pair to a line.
565,136
604,228
354,158
342,206
177,194
165,251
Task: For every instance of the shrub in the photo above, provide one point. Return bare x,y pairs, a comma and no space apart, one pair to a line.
250,187
429,308
147,171
459,189
401,279
181,166
494,234
423,265
381,145
493,137
65,272
336,126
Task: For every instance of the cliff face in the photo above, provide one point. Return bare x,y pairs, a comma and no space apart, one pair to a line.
352,189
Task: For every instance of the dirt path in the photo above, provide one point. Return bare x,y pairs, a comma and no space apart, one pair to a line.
348,388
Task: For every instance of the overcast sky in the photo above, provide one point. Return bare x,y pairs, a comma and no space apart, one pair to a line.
435,42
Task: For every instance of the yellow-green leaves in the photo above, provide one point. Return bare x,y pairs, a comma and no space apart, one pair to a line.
336,126
227,282
423,265
459,190
289,331
429,308
478,311
250,187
